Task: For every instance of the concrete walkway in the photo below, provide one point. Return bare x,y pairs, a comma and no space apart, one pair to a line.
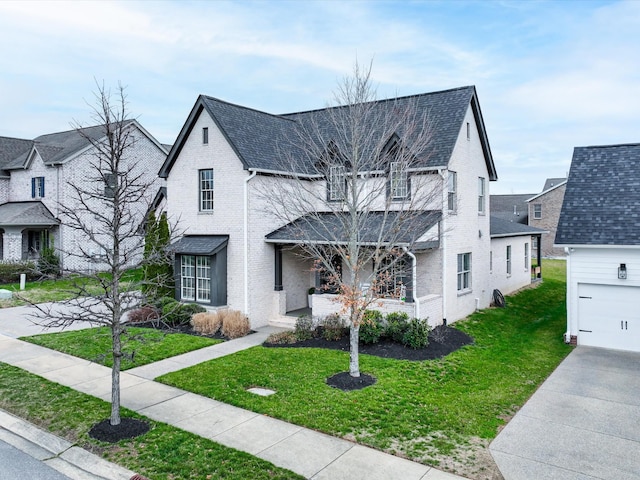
582,423
307,452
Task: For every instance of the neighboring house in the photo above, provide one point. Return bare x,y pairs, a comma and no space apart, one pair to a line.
36,177
511,207
600,229
236,255
544,212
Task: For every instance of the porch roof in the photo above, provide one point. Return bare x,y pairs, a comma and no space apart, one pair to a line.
506,228
399,228
200,244
27,214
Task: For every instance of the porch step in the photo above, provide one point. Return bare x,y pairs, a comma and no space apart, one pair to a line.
283,322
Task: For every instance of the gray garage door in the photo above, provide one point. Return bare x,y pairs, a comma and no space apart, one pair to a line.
609,316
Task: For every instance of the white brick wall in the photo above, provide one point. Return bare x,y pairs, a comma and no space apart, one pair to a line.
4,190
520,273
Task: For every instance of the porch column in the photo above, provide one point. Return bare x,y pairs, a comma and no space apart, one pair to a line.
278,268
12,243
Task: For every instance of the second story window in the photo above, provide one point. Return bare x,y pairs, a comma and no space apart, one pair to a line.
37,187
481,195
399,181
537,210
205,135
109,185
337,183
206,190
452,188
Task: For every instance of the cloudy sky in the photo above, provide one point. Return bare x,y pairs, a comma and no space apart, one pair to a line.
549,75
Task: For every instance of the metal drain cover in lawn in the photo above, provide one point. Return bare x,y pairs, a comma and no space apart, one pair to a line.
263,392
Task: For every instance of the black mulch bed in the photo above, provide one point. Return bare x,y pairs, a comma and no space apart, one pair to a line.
344,381
128,428
185,328
442,341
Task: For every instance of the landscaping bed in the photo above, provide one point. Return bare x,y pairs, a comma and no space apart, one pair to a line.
442,341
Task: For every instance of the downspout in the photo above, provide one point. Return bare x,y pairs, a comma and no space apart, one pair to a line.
443,243
567,335
246,240
414,281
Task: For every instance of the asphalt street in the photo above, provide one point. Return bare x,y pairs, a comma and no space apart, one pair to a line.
15,464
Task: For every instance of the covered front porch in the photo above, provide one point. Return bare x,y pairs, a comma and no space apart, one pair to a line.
25,229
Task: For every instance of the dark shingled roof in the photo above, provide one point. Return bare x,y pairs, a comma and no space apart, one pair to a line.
552,182
53,147
328,227
26,214
602,199
11,148
260,139
200,244
513,208
506,228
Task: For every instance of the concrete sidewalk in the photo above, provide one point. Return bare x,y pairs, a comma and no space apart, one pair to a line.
307,452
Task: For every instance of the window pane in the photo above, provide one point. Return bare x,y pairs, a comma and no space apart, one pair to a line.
336,183
206,190
399,181
203,279
187,280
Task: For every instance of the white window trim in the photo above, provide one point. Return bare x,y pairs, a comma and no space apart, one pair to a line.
452,191
537,212
337,177
527,263
463,276
508,260
481,195
399,181
205,204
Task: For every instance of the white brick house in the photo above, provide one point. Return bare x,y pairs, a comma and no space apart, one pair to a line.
35,179
237,255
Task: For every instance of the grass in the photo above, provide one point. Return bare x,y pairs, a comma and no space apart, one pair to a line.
164,453
140,345
65,288
432,411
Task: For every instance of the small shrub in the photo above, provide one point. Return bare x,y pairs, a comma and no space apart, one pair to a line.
439,334
333,327
371,328
397,324
49,262
235,324
206,323
304,328
10,271
143,314
282,338
175,313
417,334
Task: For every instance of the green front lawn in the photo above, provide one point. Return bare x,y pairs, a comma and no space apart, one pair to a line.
140,345
441,412
164,453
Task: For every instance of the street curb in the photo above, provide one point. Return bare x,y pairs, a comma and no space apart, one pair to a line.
58,453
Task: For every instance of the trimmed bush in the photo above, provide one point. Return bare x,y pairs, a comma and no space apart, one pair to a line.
304,328
282,338
235,324
371,328
397,324
206,323
10,271
147,313
333,327
176,314
417,334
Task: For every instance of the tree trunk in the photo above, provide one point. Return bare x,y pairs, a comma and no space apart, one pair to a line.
354,361
115,376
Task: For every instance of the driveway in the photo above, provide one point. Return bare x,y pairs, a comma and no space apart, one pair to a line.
21,322
582,423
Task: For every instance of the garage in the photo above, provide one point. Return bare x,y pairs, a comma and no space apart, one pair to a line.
609,316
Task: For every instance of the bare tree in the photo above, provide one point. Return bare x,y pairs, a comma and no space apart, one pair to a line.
358,193
106,208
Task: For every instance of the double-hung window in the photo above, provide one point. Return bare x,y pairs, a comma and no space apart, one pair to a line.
481,195
464,271
206,190
37,187
508,259
337,183
537,211
399,181
395,278
527,265
109,185
452,188
195,278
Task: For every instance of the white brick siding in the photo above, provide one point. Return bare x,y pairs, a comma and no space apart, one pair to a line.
520,275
